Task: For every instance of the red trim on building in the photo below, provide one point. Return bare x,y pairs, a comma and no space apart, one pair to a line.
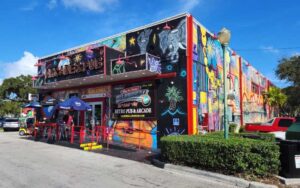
189,79
160,76
241,91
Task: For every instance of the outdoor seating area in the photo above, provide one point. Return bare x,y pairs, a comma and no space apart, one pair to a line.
53,129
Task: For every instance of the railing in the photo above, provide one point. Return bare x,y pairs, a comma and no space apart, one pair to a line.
99,133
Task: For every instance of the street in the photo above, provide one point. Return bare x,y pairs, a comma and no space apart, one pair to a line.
25,163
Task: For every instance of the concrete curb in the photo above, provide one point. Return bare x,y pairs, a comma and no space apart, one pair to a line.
289,181
218,177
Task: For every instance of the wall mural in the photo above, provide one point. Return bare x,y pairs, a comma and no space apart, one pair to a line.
168,42
118,43
207,82
136,132
208,79
135,63
171,40
174,96
254,84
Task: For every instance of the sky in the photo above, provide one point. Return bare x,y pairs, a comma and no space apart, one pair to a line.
263,31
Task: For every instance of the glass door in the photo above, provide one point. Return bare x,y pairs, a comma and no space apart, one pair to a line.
94,118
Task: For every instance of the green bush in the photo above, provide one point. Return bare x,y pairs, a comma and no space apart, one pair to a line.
252,135
233,156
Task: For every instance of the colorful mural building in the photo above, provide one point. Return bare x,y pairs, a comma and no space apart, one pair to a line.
165,78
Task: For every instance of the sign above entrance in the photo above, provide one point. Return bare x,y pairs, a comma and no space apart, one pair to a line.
133,101
87,63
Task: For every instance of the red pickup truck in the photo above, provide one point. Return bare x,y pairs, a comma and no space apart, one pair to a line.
273,125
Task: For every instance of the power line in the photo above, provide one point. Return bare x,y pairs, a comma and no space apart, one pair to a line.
268,49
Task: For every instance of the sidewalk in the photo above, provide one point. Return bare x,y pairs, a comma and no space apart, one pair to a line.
151,157
235,181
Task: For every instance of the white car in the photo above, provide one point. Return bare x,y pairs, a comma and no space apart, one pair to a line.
11,124
279,135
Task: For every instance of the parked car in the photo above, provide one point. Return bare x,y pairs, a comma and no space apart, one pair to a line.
277,126
11,124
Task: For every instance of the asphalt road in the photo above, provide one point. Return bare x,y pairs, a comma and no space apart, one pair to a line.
25,163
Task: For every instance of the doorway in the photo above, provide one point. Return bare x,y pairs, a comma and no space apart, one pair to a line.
95,116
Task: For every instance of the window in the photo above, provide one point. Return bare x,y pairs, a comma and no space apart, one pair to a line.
269,122
11,120
285,122
255,88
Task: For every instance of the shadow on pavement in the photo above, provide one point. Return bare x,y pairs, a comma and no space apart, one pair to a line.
116,150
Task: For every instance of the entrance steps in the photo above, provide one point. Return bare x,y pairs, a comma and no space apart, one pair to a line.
90,146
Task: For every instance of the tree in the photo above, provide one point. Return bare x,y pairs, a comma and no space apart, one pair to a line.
13,93
293,102
275,98
17,88
288,69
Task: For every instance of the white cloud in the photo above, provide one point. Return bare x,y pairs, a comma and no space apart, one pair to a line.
295,54
188,5
270,49
52,4
25,66
89,5
30,6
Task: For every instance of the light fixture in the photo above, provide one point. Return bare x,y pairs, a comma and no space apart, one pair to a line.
167,27
224,36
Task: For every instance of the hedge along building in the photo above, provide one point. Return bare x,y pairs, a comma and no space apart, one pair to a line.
156,80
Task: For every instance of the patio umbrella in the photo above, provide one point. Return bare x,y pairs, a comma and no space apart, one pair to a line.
74,103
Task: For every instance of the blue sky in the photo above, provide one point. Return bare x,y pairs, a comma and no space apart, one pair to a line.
35,28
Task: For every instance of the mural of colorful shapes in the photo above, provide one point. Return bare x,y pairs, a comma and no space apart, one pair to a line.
183,73
118,43
203,102
136,132
143,40
174,131
174,96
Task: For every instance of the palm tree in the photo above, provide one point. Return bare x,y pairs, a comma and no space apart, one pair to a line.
174,95
275,98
